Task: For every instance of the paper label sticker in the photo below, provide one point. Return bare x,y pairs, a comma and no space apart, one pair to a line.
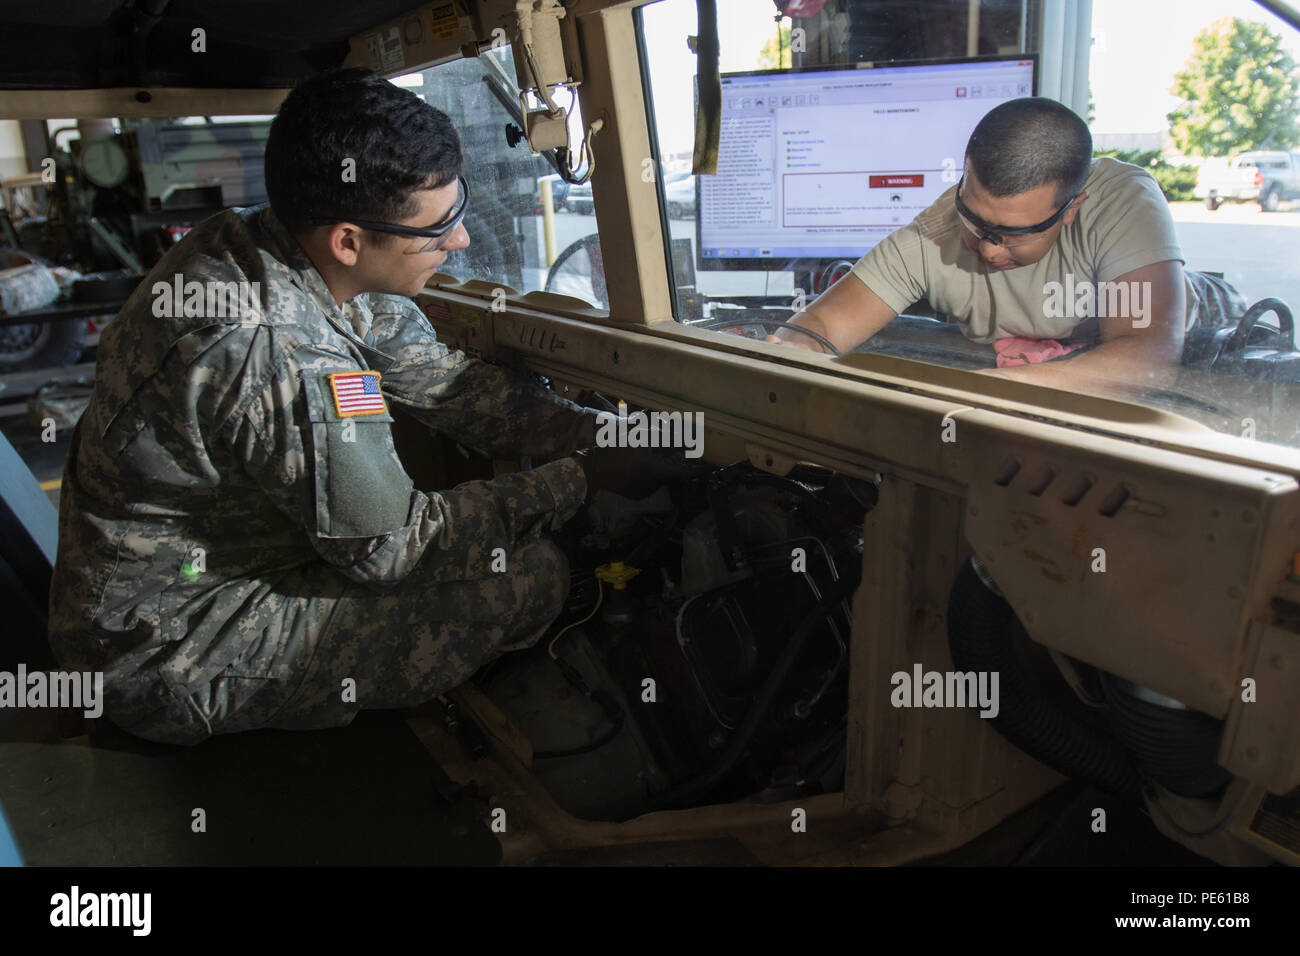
446,21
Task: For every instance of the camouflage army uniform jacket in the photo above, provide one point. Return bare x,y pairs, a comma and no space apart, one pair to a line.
213,462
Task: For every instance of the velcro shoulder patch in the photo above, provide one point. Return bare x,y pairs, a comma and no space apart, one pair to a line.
357,393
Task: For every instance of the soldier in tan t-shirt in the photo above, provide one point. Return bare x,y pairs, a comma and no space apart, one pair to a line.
1035,238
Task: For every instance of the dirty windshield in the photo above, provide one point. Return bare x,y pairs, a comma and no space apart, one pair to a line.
530,229
1141,244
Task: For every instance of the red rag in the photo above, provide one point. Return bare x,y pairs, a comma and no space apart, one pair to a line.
1022,351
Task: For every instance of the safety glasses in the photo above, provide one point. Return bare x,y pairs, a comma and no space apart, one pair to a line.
1006,236
437,235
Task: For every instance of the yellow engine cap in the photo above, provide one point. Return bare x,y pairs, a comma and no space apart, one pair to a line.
617,573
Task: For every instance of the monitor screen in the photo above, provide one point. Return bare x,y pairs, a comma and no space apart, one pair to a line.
824,163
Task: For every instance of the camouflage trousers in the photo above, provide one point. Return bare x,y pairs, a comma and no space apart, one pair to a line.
378,650
1215,303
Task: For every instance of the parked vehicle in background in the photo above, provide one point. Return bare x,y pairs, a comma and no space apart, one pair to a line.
559,192
679,194
578,199
1266,177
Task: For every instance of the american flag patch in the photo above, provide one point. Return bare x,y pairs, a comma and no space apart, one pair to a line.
357,393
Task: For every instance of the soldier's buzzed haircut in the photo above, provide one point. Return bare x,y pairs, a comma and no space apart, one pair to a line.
1030,142
398,143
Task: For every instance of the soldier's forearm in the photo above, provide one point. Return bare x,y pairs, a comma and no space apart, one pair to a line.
455,535
496,411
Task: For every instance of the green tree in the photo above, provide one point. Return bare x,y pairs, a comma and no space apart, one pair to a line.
1176,182
1238,91
770,58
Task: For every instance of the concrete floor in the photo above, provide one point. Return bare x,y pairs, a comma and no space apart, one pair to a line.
356,796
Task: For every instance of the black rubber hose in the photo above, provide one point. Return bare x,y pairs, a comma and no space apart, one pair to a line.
980,629
610,706
606,738
743,473
686,793
1179,749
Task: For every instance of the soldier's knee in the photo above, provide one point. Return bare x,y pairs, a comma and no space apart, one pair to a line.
542,583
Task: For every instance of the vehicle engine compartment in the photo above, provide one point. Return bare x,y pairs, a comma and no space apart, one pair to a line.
710,621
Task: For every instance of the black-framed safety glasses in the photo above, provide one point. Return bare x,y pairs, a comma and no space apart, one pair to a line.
1005,236
437,235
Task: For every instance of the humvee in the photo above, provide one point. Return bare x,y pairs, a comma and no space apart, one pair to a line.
893,602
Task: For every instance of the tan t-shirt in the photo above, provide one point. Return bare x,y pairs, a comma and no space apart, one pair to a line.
1123,225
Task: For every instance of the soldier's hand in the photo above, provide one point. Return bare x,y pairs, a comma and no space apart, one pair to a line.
629,472
807,343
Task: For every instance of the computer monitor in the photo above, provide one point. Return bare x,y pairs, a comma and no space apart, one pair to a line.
822,164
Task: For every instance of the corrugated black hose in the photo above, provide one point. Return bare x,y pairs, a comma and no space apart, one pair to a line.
980,636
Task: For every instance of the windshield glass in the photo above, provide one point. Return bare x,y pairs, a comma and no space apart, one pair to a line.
529,229
1167,280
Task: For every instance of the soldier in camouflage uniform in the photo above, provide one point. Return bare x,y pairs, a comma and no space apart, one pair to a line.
239,544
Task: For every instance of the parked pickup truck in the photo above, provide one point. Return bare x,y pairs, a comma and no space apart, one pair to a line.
1266,177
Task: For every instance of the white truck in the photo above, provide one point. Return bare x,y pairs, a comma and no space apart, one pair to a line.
1268,177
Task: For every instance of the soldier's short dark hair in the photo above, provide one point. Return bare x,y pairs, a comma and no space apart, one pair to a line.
1031,142
349,143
